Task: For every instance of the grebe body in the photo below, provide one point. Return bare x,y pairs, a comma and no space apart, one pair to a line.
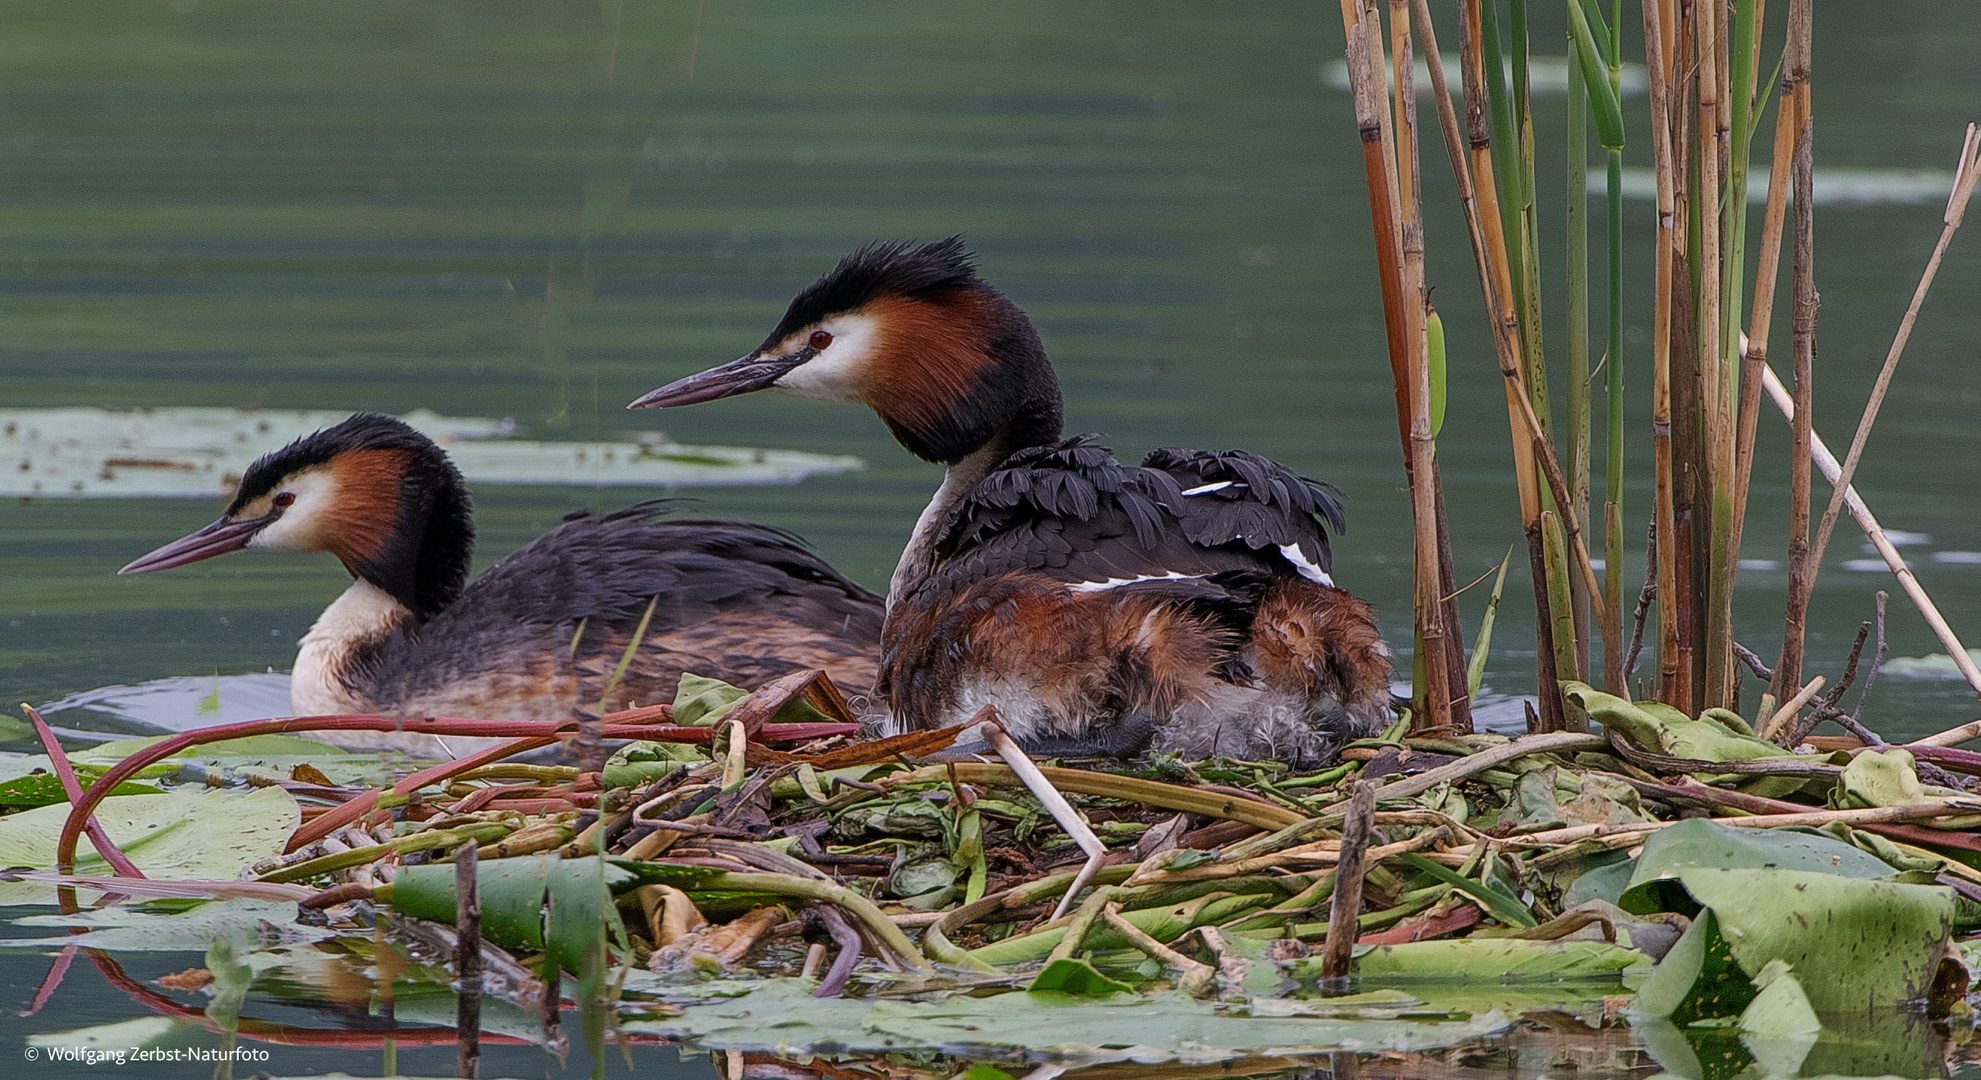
1185,604
542,630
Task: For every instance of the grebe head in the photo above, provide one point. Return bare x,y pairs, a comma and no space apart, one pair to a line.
372,491
947,361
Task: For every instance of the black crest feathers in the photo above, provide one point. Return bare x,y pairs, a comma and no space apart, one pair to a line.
880,270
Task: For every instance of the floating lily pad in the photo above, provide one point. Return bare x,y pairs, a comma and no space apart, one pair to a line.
781,1014
179,835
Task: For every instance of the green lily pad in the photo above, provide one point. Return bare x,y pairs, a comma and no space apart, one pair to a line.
1071,975
193,930
1500,960
781,1014
45,789
1699,842
1697,979
1666,731
187,834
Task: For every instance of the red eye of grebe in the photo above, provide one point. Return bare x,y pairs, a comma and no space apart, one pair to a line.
820,339
284,500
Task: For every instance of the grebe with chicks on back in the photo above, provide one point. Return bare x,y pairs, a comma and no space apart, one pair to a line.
1182,605
412,636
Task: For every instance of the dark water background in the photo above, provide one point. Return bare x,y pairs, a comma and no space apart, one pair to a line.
540,210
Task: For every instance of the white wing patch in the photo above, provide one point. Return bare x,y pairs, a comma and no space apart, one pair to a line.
1292,553
1206,489
1116,583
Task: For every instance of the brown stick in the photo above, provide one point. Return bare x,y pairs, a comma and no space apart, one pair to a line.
1337,956
1754,348
1802,560
467,960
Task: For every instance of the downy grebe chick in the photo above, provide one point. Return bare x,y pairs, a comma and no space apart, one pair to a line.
543,629
1185,604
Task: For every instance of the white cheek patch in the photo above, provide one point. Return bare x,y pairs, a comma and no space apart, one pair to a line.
835,374
300,528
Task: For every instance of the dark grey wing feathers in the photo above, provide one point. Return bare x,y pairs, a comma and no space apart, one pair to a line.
1075,514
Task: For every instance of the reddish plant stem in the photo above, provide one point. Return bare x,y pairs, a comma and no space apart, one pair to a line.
528,736
73,788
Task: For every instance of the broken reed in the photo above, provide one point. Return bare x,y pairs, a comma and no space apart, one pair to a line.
1703,64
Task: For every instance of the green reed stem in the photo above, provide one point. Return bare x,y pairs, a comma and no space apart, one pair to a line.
1576,241
1613,367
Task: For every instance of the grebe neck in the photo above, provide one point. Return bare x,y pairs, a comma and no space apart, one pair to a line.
919,557
333,659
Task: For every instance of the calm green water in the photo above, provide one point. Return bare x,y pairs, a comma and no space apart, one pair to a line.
540,210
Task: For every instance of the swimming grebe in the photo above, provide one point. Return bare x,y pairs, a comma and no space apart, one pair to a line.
1185,604
736,601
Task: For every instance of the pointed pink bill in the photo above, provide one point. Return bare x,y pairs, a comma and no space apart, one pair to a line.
753,372
218,538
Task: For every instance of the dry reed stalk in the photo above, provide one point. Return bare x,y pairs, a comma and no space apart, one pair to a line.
1708,60
1490,252
1663,544
1773,724
1434,707
1576,217
1802,564
1378,169
1827,463
1486,228
1963,188
1754,348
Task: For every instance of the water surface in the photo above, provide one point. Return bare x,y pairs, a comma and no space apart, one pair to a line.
541,210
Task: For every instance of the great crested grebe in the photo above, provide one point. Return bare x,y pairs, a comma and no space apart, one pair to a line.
1185,604
543,628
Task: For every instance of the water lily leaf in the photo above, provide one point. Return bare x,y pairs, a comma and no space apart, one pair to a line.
1697,979
1605,882
1780,1011
1534,805
780,1014
45,789
640,763
192,930
1889,778
700,702
1664,731
272,756
1071,975
1604,801
1699,842
926,884
178,835
1486,960
1880,940
561,907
